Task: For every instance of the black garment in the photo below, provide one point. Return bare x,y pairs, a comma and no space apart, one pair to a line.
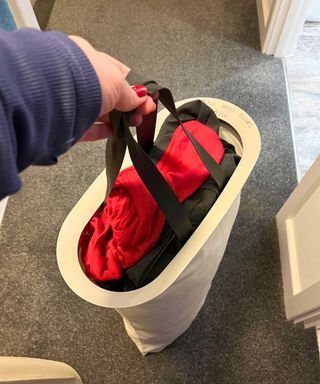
197,206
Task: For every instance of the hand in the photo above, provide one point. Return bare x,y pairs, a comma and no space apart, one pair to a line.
115,90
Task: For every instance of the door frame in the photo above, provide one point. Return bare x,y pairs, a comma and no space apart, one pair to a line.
280,24
23,14
297,303
3,204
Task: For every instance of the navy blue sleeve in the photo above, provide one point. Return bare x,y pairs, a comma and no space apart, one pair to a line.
49,96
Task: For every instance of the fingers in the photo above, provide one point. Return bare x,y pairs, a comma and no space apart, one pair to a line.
115,90
123,68
102,129
129,99
98,131
136,120
147,107
140,112
155,96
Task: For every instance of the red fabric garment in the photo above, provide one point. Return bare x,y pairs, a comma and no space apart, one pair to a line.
131,222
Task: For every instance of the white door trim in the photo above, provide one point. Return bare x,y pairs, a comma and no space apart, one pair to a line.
280,23
303,302
23,14
3,204
264,8
297,302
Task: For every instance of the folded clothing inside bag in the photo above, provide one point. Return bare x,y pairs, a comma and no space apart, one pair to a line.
197,206
129,242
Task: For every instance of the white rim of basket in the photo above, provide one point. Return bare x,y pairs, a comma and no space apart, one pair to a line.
67,244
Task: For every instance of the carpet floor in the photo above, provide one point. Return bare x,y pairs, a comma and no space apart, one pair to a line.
206,48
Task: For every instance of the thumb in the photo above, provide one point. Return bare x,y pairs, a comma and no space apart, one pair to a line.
131,97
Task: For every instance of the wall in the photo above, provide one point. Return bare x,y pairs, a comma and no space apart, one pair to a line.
314,11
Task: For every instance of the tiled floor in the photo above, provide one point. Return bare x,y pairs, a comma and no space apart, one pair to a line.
303,73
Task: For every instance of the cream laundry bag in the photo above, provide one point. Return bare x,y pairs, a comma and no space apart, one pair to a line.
156,314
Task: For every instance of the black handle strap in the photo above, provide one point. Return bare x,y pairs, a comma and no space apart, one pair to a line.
145,131
159,189
115,150
148,172
212,166
116,144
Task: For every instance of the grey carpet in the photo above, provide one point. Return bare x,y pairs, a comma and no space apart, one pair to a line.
207,48
42,10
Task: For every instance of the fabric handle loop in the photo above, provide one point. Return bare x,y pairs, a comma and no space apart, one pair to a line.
147,170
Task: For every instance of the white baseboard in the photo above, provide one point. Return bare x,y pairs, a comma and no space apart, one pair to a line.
3,204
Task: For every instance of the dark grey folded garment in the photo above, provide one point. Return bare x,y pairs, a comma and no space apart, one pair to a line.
197,206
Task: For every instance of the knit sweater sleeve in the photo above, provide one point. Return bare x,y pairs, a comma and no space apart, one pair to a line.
49,96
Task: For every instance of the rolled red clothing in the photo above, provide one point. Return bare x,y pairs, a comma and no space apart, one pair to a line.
131,222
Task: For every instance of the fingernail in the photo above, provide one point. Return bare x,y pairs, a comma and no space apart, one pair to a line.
140,90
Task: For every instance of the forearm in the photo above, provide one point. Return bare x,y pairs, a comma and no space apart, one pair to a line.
49,96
